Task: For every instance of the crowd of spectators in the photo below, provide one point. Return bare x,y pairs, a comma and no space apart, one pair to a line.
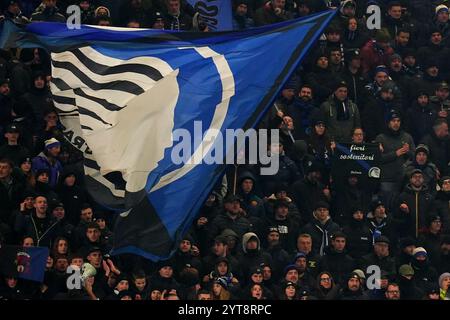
291,236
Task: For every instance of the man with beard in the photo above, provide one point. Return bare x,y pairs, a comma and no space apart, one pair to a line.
241,20
428,168
352,289
438,144
305,277
400,78
415,203
336,260
392,292
377,111
380,76
280,257
302,110
286,226
397,147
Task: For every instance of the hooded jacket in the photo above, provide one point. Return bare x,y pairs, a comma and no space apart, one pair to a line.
420,204
254,258
251,203
320,233
43,230
424,274
42,161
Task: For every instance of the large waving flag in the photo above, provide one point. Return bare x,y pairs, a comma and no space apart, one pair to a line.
122,93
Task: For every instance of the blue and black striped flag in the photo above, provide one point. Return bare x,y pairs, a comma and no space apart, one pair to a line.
122,93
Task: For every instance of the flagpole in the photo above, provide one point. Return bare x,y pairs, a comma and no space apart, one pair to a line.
235,179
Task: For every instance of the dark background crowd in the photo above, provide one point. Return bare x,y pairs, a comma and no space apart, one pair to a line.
295,235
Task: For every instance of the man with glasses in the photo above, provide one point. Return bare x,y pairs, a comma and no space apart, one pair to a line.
393,292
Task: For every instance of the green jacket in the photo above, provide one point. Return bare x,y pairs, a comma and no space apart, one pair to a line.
340,130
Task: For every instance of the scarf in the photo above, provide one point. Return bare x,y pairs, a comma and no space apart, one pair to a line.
342,109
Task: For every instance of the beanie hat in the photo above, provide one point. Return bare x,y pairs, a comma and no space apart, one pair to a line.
395,56
406,242
382,36
360,273
419,251
441,7
406,270
422,148
222,282
50,143
340,84
321,204
381,68
394,115
290,267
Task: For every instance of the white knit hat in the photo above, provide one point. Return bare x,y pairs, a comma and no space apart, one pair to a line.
441,7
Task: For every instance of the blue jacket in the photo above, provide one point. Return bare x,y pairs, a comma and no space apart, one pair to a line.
41,161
